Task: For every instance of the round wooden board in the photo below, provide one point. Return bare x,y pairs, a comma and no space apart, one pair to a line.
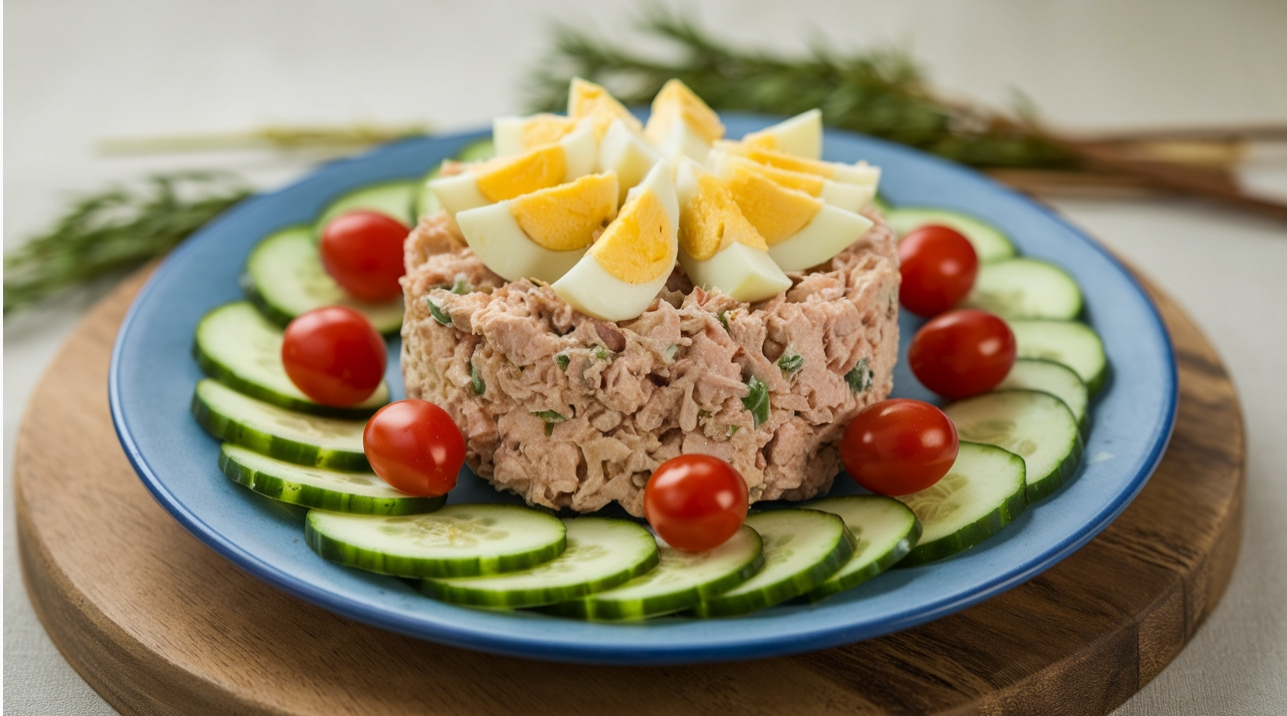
158,623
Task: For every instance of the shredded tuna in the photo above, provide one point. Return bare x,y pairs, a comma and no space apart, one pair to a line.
576,413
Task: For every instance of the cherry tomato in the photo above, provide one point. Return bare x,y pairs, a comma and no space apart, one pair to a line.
695,502
415,447
362,251
962,353
334,355
899,446
938,265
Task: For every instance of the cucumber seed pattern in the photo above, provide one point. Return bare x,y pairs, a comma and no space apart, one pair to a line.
999,433
935,503
443,530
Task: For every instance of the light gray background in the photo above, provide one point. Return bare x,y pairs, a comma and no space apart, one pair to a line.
76,71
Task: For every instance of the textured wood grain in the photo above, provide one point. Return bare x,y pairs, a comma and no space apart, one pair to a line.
160,624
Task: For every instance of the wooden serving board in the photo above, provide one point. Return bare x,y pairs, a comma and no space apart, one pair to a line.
158,623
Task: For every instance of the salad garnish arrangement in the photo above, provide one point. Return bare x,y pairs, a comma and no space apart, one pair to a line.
606,211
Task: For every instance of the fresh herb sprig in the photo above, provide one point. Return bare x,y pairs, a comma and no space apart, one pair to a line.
882,93
116,230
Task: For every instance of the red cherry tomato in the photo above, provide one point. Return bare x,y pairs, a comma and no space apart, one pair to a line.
415,447
334,355
899,446
938,265
962,353
695,502
362,251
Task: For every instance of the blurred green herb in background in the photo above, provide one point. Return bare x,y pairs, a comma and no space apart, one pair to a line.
116,230
882,93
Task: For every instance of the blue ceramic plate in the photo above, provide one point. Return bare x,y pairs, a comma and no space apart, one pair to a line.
153,374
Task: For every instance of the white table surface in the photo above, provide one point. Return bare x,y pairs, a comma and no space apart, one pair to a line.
80,70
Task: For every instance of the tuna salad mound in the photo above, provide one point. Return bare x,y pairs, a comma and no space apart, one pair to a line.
572,411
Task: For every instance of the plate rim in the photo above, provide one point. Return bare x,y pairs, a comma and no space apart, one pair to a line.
545,648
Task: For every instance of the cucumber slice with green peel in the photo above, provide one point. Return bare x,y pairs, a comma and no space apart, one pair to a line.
278,432
982,492
426,201
802,548
285,278
885,529
680,580
1071,343
477,151
1036,426
394,199
601,554
456,541
360,493
1025,288
1055,378
989,242
237,346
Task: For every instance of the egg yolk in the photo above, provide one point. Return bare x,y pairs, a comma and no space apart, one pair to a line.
675,102
639,246
777,212
536,169
711,221
781,160
586,100
565,217
810,184
546,129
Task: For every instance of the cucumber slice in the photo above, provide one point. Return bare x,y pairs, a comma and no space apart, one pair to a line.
802,548
983,492
1033,425
361,493
1055,378
284,278
237,346
477,151
395,199
426,201
1071,343
680,580
885,530
458,540
881,203
278,432
601,554
1025,288
989,242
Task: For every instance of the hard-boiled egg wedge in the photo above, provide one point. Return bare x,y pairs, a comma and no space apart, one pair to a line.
624,151
515,135
860,173
850,197
623,271
681,125
801,231
801,136
542,234
586,100
718,247
508,177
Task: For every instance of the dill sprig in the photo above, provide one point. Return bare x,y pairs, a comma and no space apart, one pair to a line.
116,230
878,92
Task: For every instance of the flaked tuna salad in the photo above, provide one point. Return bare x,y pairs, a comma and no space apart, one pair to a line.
605,295
570,411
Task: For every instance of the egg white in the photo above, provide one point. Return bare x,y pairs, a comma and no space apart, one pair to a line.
850,197
800,135
829,232
499,242
624,151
